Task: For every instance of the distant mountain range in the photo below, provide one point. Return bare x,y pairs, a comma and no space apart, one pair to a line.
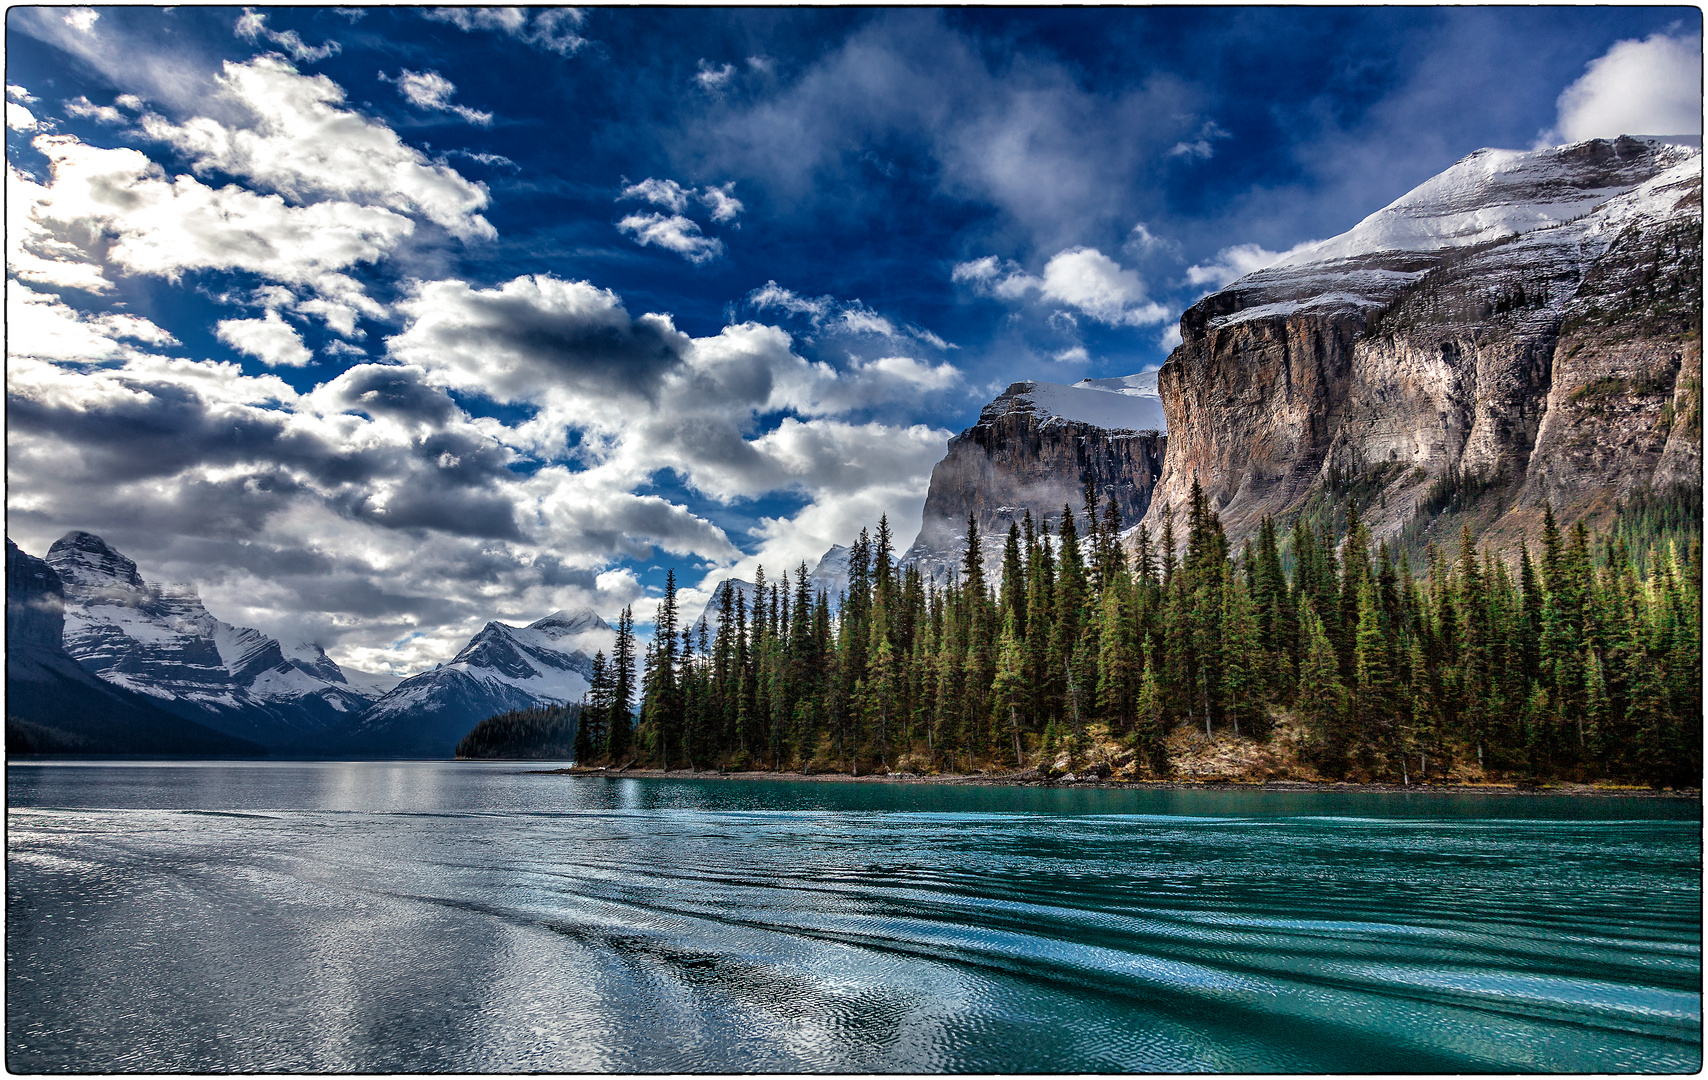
502,668
88,635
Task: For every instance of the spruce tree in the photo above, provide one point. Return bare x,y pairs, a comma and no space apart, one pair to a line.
1009,688
622,685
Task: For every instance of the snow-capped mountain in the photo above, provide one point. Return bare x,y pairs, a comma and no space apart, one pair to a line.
54,705
1538,213
502,667
158,640
830,576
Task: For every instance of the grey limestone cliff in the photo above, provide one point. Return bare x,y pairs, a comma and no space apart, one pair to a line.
1524,327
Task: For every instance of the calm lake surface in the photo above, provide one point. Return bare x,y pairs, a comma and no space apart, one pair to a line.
422,916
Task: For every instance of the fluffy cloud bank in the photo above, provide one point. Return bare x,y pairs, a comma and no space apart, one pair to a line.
501,453
380,508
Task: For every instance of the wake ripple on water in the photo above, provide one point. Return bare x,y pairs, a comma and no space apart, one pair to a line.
675,937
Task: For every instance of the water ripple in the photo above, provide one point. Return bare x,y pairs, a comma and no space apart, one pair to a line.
538,923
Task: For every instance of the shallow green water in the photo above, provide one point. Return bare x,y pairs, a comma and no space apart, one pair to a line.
473,917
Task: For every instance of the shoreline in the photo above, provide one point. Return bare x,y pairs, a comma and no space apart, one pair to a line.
1008,780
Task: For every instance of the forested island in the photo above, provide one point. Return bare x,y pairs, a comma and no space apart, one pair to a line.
544,731
1579,660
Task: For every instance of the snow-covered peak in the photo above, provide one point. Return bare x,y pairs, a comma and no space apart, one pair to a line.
581,632
502,667
830,576
1125,404
374,682
560,640
311,658
1561,206
708,615
85,561
160,639
562,622
1141,385
1492,194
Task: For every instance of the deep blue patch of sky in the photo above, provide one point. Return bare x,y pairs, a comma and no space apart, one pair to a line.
869,217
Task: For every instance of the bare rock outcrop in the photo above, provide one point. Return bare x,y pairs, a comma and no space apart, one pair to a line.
1034,449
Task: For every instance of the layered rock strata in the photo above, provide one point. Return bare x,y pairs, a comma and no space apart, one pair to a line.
1524,327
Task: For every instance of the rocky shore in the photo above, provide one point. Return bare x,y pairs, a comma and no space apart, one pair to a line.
1030,778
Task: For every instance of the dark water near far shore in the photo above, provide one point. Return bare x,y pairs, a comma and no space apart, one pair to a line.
439,916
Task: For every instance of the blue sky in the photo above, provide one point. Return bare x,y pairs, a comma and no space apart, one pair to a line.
378,323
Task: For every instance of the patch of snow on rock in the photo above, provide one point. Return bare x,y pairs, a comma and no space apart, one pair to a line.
1132,406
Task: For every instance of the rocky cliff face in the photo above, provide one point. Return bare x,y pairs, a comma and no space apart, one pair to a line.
1523,327
1035,448
35,601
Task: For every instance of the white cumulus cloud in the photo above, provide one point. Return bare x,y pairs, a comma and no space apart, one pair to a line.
1081,278
149,224
432,91
1233,263
252,26
666,193
551,29
773,295
713,78
270,340
673,233
302,144
1651,86
722,202
82,107
42,326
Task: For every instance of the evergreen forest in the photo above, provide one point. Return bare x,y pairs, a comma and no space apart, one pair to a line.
543,731
1578,658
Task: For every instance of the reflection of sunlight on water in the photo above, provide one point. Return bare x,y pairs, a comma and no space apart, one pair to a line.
376,786
629,794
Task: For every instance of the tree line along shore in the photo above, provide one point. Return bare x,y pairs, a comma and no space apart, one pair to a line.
1576,662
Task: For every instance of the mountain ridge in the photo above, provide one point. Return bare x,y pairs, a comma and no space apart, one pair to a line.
159,640
155,647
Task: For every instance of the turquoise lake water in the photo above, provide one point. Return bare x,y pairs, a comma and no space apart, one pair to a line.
431,916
